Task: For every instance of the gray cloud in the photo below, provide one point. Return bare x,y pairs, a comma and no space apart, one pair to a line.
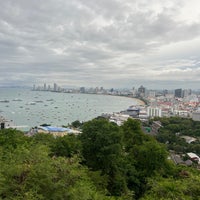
111,43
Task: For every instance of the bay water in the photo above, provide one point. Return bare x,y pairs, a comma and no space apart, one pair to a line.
28,108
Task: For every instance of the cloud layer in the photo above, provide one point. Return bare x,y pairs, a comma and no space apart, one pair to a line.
111,43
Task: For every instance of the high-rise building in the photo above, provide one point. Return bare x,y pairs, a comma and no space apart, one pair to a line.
154,112
152,93
178,93
82,89
187,92
134,91
165,92
141,91
45,86
55,87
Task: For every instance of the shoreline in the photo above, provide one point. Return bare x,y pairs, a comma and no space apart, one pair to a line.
62,113
140,101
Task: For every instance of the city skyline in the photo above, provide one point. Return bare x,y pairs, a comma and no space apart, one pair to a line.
112,43
82,89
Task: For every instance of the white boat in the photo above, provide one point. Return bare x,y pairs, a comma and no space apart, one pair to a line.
31,103
16,99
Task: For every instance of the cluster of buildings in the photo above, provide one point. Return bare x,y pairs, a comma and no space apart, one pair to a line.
92,90
179,102
154,103
157,103
183,103
189,159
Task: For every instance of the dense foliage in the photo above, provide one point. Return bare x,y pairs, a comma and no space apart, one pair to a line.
184,185
30,170
175,127
104,162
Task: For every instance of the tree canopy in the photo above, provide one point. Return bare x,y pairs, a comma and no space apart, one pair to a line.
105,161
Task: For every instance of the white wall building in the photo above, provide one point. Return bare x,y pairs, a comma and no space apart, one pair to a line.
194,157
154,112
196,116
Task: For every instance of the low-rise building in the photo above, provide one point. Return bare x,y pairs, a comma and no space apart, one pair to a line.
4,123
177,159
194,157
188,139
118,118
56,131
156,125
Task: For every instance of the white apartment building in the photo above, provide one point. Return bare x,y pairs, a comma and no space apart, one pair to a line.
154,112
196,116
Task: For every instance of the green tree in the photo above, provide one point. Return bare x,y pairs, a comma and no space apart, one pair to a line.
144,156
150,157
102,150
132,133
67,146
29,172
184,187
12,138
45,139
77,124
101,144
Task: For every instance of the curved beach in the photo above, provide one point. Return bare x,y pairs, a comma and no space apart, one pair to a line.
35,108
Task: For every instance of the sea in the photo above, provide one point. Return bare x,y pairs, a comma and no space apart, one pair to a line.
25,108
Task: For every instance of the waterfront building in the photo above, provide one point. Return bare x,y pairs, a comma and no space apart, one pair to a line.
55,87
143,114
82,89
134,91
56,131
118,118
132,111
4,123
141,91
45,86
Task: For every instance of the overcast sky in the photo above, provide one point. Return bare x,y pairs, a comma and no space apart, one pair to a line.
109,43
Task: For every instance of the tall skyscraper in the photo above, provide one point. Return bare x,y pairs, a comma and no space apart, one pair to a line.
45,87
82,89
141,91
187,92
178,93
55,87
